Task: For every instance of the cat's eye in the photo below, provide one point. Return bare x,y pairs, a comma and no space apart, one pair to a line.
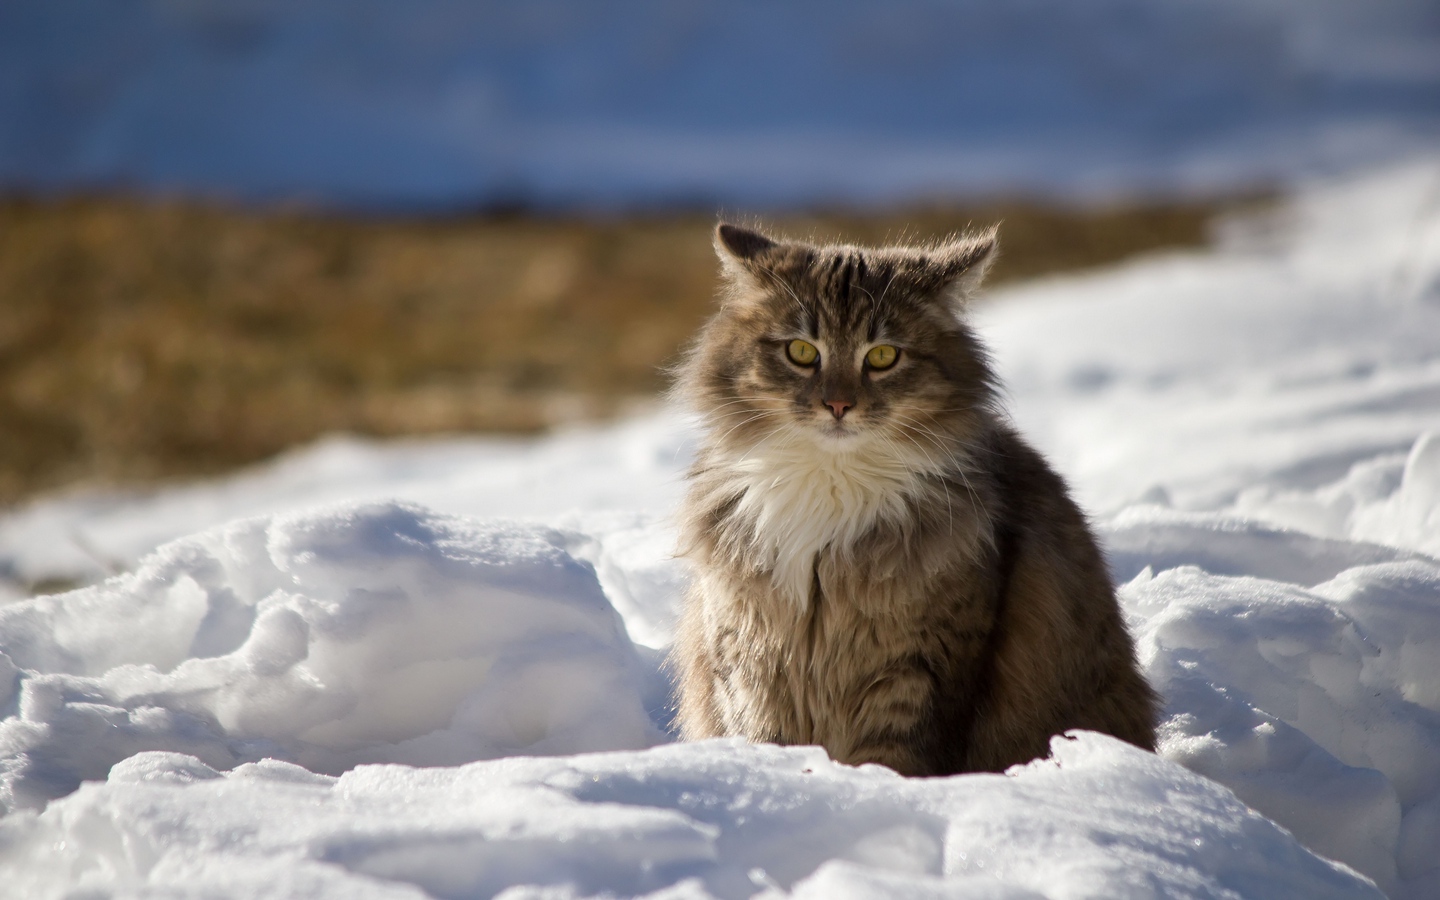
882,356
802,353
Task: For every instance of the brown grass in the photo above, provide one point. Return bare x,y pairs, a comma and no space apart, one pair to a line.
140,341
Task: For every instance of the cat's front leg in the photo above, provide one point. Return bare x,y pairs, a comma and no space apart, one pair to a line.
729,678
889,722
697,673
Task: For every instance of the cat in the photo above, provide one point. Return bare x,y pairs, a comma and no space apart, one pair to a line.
882,565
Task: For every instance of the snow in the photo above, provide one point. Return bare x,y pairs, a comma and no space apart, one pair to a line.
331,638
446,103
720,819
315,688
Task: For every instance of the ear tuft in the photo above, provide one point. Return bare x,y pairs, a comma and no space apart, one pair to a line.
740,243
964,261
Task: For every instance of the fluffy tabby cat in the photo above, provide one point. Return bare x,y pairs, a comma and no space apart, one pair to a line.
882,565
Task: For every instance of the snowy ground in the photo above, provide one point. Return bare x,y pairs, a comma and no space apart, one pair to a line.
426,103
1256,431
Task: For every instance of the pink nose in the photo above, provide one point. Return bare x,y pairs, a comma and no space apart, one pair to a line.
838,407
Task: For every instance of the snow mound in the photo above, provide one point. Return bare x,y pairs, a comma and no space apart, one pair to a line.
1392,499
363,633
1320,707
714,819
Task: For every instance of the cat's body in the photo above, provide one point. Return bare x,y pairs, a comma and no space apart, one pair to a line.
882,566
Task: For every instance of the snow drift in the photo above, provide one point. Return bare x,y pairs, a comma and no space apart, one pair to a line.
371,633
1255,429
1099,819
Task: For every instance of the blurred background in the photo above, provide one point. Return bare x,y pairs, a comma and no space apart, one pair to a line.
231,226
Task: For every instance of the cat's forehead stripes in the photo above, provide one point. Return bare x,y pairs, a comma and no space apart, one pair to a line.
847,295
846,292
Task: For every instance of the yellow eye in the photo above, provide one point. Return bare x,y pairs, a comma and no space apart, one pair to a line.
882,356
802,353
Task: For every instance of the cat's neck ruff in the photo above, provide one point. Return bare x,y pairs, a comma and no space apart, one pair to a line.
803,493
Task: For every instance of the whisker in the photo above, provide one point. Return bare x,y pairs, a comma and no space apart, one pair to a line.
960,471
947,440
749,415
938,409
789,435
783,284
941,441
718,411
733,402
893,272
754,418
949,509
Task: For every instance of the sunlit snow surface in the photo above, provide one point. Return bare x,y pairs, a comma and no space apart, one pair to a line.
1256,431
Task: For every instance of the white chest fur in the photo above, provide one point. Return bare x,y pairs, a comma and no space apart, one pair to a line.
802,497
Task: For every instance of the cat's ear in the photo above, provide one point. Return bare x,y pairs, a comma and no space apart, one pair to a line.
963,262
739,243
741,251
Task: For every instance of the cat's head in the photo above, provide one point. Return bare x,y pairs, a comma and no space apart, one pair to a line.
841,347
